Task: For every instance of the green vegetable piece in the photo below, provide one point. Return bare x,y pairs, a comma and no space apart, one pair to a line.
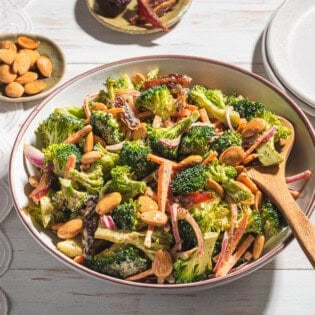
196,268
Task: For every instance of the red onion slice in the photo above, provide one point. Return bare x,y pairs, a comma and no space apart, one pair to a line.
228,118
34,156
107,222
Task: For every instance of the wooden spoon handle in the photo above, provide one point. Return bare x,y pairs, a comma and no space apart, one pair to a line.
301,226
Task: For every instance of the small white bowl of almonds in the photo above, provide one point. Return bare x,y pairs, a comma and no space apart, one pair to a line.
30,66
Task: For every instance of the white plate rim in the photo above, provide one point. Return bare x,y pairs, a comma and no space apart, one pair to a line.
277,39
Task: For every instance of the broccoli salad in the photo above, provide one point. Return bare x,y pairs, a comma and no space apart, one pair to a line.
147,180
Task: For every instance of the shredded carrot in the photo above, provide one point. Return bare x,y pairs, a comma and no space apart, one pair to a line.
114,110
249,158
294,193
87,112
242,177
98,106
188,161
76,137
79,259
144,115
70,164
164,180
232,260
185,112
204,116
140,275
210,158
191,107
98,139
158,159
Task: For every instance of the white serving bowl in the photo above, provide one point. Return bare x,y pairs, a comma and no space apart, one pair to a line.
212,74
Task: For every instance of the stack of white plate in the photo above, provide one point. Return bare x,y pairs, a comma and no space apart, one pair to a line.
288,52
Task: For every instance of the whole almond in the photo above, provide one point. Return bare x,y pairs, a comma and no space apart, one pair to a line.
108,203
70,229
154,217
44,66
26,42
7,44
22,63
27,77
14,89
7,56
34,87
34,55
6,75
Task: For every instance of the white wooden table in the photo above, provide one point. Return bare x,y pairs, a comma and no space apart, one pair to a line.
36,283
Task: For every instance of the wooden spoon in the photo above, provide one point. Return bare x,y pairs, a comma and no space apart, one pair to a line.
271,180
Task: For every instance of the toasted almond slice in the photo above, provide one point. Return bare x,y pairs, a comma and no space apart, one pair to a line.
34,87
14,90
26,42
22,63
6,74
7,56
27,77
162,265
44,66
258,246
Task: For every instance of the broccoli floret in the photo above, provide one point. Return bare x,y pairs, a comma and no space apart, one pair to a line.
254,224
196,140
189,180
46,213
123,181
75,111
120,261
70,197
246,108
106,126
126,216
268,155
92,180
187,235
198,96
224,175
272,220
249,110
58,127
134,154
196,267
212,216
107,161
159,137
58,155
216,96
227,139
158,100
112,86
160,239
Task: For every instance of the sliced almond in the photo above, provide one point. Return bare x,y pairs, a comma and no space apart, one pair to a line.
34,87
70,229
154,217
44,65
22,63
108,203
14,89
27,77
6,74
88,143
26,42
162,265
232,155
254,127
7,44
7,56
